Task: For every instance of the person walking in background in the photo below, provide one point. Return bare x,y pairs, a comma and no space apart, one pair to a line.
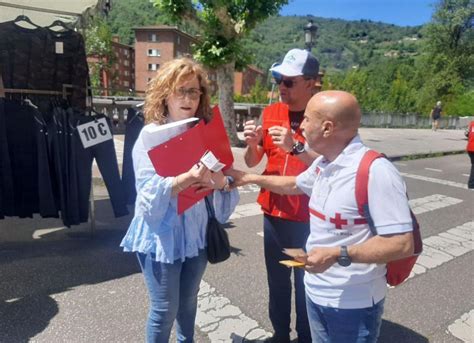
435,116
470,151
171,247
345,264
285,217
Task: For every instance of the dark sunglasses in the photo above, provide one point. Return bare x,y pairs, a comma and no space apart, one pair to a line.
287,83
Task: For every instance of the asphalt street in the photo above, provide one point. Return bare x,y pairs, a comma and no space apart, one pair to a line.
61,285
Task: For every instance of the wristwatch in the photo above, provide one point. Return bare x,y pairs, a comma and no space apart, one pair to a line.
298,148
229,180
344,259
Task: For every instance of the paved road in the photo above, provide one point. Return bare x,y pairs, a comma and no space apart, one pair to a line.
59,286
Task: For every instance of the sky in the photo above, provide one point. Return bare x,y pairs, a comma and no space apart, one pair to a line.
398,12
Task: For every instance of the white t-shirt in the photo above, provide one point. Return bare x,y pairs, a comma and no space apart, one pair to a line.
331,187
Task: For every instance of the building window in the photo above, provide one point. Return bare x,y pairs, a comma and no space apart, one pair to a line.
125,72
179,40
125,52
153,66
152,37
126,63
154,52
126,83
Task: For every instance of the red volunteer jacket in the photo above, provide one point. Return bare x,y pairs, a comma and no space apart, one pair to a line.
290,207
470,138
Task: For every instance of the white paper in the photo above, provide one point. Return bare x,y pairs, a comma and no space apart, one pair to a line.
154,134
211,162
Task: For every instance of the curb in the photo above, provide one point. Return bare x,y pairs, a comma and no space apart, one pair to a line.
418,156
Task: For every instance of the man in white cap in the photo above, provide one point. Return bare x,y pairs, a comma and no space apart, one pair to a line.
286,217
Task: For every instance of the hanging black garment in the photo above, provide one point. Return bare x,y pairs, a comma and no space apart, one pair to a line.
47,204
6,179
134,125
69,64
106,159
27,144
24,56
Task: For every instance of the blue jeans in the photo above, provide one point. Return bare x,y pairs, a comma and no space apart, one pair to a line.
173,289
333,325
279,234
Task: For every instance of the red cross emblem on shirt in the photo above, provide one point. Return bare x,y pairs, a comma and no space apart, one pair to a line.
338,221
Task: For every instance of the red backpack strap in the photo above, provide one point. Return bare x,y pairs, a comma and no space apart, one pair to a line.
362,186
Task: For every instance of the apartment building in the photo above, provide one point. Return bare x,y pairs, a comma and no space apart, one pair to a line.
120,78
155,45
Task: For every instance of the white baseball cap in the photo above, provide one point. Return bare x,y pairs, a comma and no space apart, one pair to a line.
297,62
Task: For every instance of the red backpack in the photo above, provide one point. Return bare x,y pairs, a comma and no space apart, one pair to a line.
399,270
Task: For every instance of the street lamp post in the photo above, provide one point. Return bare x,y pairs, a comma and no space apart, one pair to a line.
310,30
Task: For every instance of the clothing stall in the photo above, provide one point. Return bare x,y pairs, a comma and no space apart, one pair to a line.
46,116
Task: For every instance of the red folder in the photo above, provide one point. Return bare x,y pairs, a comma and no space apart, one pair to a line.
180,153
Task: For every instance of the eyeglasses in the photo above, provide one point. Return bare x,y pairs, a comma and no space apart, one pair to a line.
288,83
192,93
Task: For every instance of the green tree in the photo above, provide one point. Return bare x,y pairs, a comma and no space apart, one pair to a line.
448,63
223,25
98,42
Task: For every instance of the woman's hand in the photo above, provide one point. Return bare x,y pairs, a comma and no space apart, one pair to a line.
194,176
217,181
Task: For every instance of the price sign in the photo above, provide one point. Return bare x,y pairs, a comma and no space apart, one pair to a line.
94,132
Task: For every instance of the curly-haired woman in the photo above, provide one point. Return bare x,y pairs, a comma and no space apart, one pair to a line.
171,247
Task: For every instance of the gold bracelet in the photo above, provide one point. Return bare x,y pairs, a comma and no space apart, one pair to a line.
180,189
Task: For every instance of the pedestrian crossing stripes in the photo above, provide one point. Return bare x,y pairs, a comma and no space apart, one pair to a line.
463,327
444,247
431,203
435,180
222,321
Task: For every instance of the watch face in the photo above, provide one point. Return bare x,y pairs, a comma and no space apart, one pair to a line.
298,148
344,261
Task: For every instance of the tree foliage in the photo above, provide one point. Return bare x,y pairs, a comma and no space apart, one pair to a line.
222,25
98,40
443,71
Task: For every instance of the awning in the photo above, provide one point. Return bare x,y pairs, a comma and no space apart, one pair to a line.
79,11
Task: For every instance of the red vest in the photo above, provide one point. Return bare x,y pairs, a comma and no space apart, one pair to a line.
291,207
470,137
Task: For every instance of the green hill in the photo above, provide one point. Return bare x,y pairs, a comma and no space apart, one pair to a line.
340,44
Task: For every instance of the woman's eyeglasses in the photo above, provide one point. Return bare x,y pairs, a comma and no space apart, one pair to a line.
192,93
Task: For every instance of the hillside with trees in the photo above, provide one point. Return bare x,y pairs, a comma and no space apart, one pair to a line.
389,68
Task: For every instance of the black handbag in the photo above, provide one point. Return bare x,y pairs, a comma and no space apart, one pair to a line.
218,246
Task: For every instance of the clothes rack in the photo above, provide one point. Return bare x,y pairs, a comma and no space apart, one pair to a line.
63,93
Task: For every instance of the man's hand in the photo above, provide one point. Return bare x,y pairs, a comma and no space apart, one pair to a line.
320,259
238,176
282,137
252,133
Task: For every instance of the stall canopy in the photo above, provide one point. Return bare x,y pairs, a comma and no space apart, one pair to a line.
44,12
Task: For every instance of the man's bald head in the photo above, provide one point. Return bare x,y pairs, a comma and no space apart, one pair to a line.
332,119
338,106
